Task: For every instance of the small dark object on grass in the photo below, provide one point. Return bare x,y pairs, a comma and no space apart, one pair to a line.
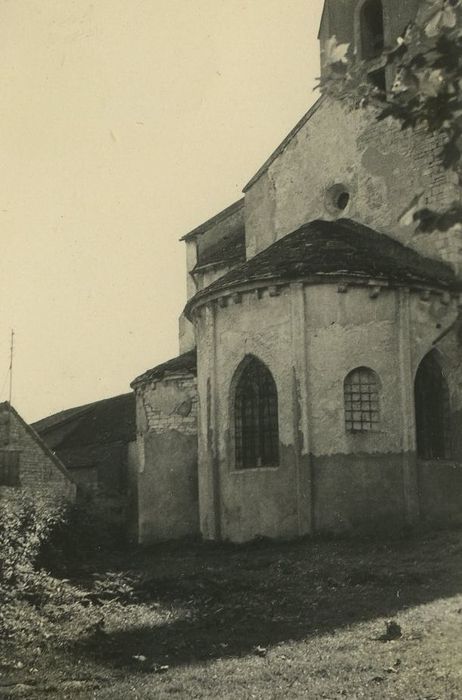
377,679
393,631
395,668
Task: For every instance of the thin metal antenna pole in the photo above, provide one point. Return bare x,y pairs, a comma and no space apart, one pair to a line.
11,367
10,393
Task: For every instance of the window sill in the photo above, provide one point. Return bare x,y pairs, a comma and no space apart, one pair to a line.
252,470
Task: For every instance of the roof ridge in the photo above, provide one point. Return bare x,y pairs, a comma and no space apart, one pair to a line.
74,411
215,219
285,142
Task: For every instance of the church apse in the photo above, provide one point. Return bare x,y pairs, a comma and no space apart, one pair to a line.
340,349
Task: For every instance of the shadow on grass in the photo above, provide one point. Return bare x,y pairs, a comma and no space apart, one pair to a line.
239,598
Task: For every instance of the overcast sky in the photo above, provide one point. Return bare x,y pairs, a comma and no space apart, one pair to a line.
123,125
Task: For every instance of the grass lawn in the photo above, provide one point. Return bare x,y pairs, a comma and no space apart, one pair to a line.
268,620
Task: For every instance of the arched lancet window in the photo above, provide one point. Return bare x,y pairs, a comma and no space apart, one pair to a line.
361,391
256,417
432,410
372,32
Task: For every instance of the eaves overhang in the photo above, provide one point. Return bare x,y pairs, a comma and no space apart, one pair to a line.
232,293
341,251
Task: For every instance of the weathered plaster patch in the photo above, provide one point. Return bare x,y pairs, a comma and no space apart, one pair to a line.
381,164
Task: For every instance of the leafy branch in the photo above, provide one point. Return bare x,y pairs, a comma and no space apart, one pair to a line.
426,93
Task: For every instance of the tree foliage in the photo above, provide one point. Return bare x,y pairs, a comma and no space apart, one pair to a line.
426,62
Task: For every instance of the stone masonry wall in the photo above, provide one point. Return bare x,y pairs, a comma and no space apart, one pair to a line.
38,468
168,405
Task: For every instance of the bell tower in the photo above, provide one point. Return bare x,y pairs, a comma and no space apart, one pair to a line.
368,26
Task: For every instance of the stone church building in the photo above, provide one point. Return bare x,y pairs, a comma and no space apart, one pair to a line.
319,385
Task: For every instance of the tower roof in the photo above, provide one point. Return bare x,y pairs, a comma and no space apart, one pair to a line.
183,364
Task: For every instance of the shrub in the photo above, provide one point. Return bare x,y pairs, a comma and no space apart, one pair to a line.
39,536
26,522
93,527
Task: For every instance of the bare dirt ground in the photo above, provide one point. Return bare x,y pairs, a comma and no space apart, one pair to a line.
268,620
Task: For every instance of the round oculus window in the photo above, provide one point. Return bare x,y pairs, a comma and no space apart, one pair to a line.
337,198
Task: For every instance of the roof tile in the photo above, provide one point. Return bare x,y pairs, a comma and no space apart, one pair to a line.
336,248
187,362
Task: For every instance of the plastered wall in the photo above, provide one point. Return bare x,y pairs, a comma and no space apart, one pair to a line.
311,338
264,500
382,167
166,459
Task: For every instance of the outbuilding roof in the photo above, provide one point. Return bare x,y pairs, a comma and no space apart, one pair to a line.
78,430
341,248
187,362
